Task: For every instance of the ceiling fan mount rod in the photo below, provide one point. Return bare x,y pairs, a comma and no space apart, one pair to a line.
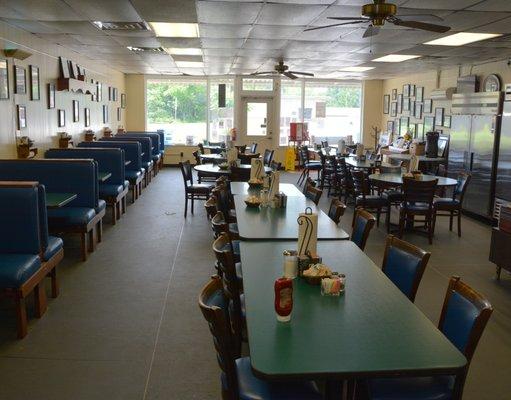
379,11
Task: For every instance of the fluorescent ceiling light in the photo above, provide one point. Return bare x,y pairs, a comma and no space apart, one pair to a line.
184,51
171,29
189,64
459,39
395,58
356,69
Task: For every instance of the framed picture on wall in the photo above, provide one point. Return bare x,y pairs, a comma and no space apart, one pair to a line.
76,111
110,90
105,114
99,92
20,80
399,103
419,93
406,90
115,94
51,95
404,125
418,110
87,116
4,79
123,100
420,131
118,113
394,94
412,107
22,116
34,83
447,121
428,106
393,109
62,118
386,103
439,116
64,68
412,90
390,126
429,124
406,104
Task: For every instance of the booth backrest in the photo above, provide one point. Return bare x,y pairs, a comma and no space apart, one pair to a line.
132,151
155,138
145,142
43,217
58,176
109,160
19,218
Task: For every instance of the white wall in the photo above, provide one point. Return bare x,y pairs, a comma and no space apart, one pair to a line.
41,121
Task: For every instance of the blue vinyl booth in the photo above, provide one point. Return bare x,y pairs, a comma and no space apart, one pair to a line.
27,253
133,171
146,143
155,139
84,214
110,160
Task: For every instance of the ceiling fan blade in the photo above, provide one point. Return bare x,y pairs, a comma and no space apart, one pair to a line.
420,25
301,73
290,75
263,73
350,18
329,26
371,31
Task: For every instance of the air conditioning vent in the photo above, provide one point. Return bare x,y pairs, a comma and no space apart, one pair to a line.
147,49
121,26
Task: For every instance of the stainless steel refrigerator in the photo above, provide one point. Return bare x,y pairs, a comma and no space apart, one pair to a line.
474,138
503,181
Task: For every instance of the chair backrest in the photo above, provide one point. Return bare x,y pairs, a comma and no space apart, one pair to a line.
384,169
313,193
461,186
336,210
247,158
308,182
215,309
268,156
132,151
197,157
221,193
186,171
417,191
201,148
362,225
324,144
210,206
404,264
19,218
240,174
360,183
218,224
242,148
464,316
253,148
275,166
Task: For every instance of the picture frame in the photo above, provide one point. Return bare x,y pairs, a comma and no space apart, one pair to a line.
419,93
61,118
406,104
110,93
99,91
390,126
399,103
386,104
429,124
35,87
51,95
86,112
404,124
393,109
123,100
420,131
76,111
73,69
418,110
118,113
406,90
447,121
20,80
4,79
115,94
412,108
428,106
412,90
21,112
439,116
64,68
394,94
105,114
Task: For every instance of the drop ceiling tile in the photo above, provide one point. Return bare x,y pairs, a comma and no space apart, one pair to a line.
502,26
463,20
43,10
385,48
259,53
10,13
224,31
221,52
180,42
192,71
101,10
336,11
301,45
219,12
187,58
74,27
96,40
218,60
32,26
59,38
166,10
263,44
221,43
492,5
275,31
289,14
442,4
346,46
327,34
136,41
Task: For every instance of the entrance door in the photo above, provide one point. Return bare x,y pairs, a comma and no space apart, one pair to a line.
257,122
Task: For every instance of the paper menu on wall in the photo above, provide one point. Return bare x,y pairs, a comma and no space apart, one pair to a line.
307,232
274,184
256,168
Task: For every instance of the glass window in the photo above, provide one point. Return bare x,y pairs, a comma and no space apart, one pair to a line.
221,119
290,107
258,84
332,110
178,107
256,118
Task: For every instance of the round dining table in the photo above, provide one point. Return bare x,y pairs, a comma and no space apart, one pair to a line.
397,179
215,170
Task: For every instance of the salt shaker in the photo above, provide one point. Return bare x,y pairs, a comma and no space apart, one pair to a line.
290,263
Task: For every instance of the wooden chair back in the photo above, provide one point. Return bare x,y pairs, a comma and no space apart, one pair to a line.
268,157
242,148
313,193
461,187
240,174
404,264
360,183
416,191
253,148
363,222
336,210
247,158
324,144
210,206
197,158
218,224
186,171
308,182
275,166
201,148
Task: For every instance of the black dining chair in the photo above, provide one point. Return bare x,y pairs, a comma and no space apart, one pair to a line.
307,165
238,380
451,206
240,174
268,157
404,264
253,148
246,159
275,166
464,316
192,191
201,148
362,224
370,202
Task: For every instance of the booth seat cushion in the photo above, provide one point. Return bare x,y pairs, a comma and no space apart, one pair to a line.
131,174
70,216
110,190
126,184
419,388
54,245
147,164
101,206
16,269
156,158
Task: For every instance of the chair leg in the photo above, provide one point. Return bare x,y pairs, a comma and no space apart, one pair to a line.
434,221
118,208
186,204
450,220
387,221
429,220
401,225
299,181
21,317
84,245
100,230
114,213
40,299
378,213
54,283
459,223
124,204
91,239
193,198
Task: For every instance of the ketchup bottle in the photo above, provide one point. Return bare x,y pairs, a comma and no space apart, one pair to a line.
283,299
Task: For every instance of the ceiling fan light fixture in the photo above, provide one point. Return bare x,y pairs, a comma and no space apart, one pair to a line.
462,38
394,58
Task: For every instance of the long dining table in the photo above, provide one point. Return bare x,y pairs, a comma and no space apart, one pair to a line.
371,330
244,188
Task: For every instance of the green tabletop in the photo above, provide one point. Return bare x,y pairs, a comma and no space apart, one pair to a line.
280,223
370,330
244,189
213,169
103,176
397,179
57,200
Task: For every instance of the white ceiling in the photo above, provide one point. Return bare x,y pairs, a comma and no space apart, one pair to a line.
244,36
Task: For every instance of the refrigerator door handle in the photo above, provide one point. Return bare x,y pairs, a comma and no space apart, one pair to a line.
471,160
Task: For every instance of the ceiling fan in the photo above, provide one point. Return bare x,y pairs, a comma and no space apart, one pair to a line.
379,12
282,69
